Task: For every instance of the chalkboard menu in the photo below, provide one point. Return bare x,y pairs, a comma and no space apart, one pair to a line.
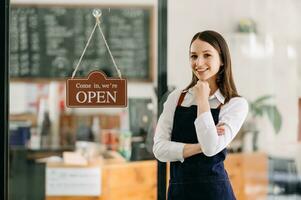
47,42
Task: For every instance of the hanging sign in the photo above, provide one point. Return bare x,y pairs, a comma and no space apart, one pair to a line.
96,91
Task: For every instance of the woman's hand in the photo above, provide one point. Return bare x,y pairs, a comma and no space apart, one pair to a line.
202,90
220,129
191,150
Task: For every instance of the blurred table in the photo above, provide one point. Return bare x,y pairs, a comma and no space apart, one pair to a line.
126,181
138,180
248,173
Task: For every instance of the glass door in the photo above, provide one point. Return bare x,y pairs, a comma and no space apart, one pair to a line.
58,152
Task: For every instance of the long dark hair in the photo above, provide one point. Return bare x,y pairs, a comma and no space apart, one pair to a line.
224,79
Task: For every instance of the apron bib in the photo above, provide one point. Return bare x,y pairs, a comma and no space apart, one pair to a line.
199,177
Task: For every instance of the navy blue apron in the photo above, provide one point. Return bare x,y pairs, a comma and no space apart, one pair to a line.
199,177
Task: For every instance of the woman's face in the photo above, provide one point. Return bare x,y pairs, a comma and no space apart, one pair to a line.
204,60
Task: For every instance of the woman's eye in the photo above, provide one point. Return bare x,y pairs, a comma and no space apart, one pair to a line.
207,55
193,56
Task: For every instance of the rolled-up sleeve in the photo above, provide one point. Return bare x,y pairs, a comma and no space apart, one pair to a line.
232,115
164,149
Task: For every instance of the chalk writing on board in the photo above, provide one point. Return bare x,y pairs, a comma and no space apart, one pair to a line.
46,42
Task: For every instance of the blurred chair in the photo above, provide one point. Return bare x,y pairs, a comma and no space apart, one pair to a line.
283,177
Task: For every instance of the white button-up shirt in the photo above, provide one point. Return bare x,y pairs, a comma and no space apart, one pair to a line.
232,115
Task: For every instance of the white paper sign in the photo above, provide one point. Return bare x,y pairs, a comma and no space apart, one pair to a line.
73,182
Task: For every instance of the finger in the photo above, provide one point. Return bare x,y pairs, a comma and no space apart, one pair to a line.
220,132
200,82
221,128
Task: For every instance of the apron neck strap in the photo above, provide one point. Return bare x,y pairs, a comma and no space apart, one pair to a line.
181,99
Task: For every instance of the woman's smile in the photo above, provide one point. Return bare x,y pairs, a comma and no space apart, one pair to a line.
200,70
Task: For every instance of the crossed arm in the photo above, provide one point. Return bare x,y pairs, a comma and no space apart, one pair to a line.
193,149
203,107
211,138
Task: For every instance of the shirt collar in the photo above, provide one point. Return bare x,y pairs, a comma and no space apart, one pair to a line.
217,94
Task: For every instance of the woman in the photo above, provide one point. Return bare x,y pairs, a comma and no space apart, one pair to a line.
198,123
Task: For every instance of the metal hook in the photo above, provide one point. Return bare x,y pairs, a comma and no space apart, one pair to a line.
97,13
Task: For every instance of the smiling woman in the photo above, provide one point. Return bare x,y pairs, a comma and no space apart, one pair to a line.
199,122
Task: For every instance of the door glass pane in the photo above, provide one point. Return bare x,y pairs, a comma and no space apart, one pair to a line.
58,152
